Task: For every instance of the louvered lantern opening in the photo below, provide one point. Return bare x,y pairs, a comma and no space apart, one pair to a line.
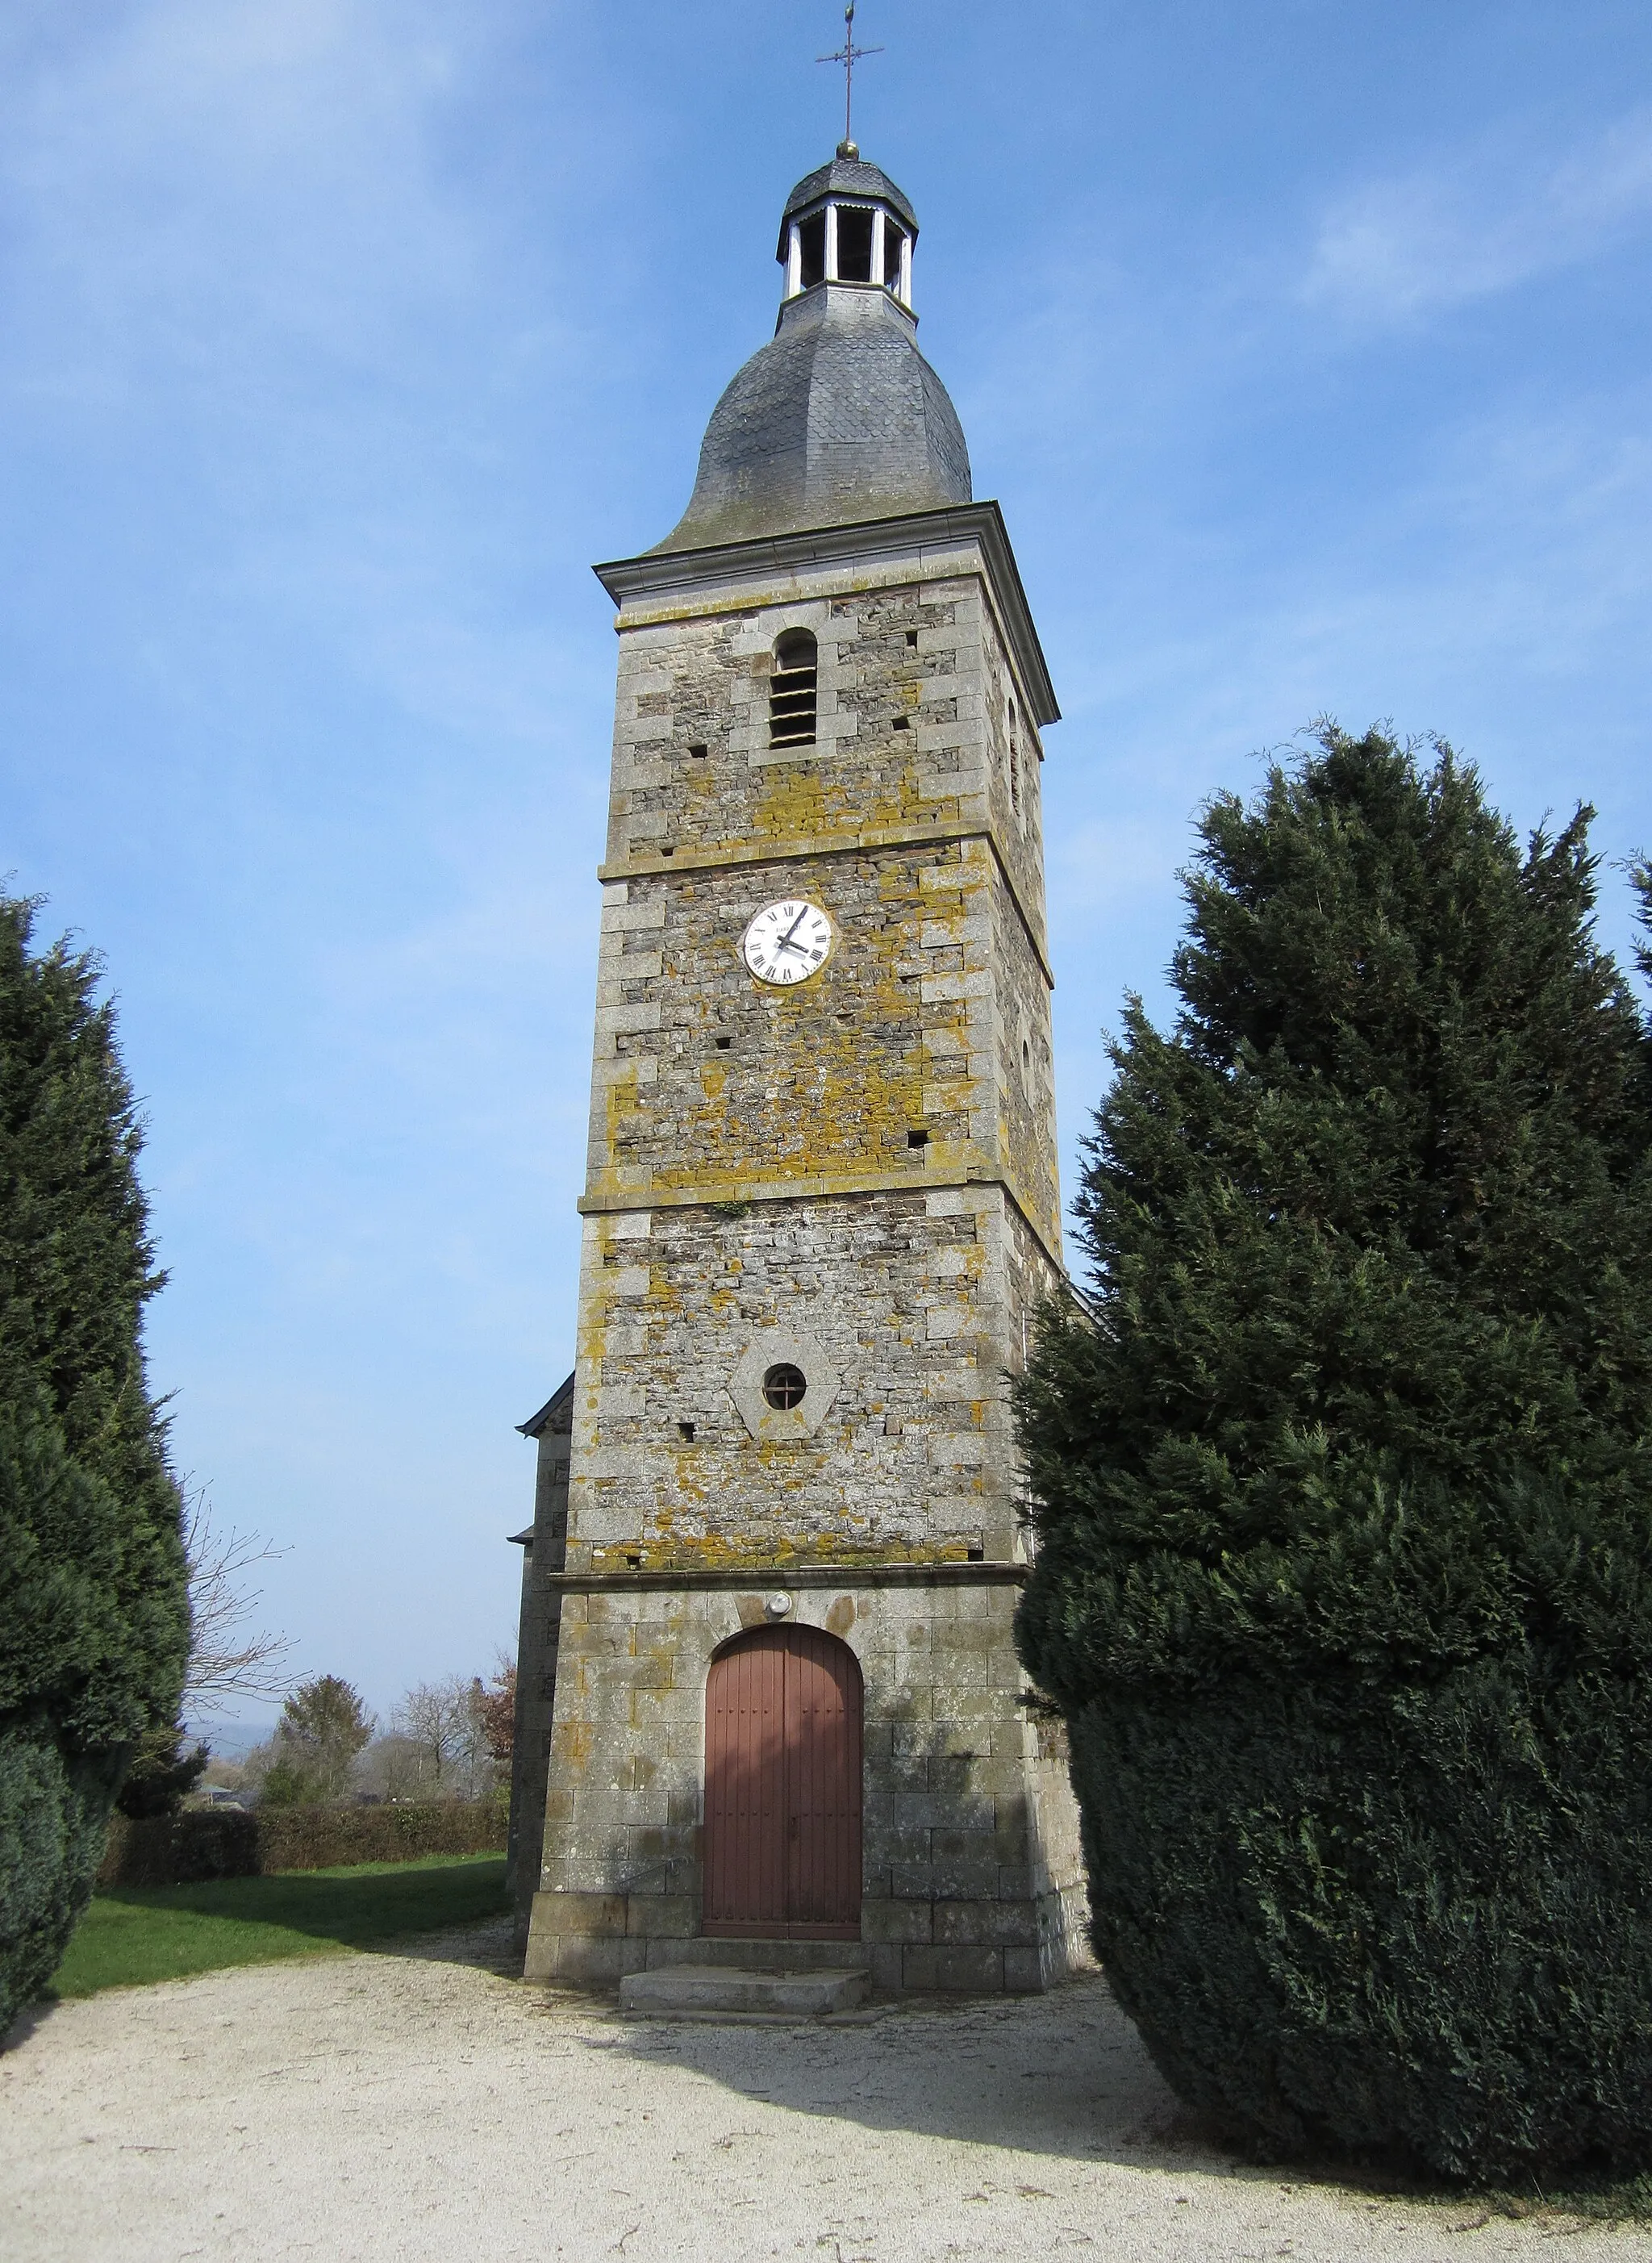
811,237
792,691
855,245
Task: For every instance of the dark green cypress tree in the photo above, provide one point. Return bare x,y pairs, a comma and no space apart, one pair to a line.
1345,1574
94,1616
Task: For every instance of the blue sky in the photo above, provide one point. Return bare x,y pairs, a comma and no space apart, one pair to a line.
1304,343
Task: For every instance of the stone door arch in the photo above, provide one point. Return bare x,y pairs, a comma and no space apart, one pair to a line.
783,1788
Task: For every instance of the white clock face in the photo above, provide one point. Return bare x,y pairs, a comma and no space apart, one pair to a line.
787,942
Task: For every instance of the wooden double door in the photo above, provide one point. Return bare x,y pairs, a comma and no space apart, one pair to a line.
783,1788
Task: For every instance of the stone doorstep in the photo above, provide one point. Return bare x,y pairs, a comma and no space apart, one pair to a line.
752,1953
868,2016
699,1991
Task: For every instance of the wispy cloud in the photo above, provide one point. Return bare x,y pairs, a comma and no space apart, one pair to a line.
1401,247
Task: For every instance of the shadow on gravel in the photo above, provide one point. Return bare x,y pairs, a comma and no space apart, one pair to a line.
490,1948
27,2023
1064,2075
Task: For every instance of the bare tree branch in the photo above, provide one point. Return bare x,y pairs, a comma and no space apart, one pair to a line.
225,1661
444,1723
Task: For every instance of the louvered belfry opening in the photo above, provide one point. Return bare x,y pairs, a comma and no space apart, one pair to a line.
793,691
783,1788
854,246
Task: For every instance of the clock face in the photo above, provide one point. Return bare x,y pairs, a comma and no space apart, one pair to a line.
787,942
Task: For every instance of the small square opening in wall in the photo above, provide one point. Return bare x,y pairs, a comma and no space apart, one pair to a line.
912,640
903,723
667,848
725,1042
699,753
917,1139
685,1431
977,1553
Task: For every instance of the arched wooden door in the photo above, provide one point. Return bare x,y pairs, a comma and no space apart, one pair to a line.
783,1788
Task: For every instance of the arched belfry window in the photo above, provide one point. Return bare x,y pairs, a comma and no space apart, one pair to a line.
792,692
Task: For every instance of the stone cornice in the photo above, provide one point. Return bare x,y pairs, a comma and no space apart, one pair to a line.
759,1578
679,574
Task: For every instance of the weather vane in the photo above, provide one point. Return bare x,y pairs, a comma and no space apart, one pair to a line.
848,54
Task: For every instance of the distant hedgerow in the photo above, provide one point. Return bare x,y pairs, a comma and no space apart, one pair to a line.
1345,1490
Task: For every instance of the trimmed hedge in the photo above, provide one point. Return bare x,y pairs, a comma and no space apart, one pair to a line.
1345,1490
94,1628
227,1842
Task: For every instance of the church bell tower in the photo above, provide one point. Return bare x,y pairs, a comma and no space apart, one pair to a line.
821,1199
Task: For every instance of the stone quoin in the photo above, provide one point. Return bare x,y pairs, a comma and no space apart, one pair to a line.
768,1588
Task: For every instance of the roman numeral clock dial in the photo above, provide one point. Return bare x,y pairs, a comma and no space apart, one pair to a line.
787,942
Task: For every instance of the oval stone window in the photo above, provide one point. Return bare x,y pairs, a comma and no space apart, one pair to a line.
783,1387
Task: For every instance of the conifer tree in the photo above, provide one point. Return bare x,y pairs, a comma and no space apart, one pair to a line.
324,1726
94,1625
164,1769
1344,1489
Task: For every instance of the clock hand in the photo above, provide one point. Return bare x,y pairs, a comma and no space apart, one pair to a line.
785,941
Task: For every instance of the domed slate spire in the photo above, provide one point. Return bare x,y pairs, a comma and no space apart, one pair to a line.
839,418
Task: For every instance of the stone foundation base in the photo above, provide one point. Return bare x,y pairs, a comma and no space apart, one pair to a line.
594,1940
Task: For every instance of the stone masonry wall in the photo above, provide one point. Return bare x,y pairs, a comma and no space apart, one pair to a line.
537,1637
895,1304
857,1176
931,1018
1013,767
932,1015
1024,1137
965,1883
706,1081
705,684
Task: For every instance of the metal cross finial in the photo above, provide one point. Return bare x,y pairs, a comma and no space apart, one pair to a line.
848,54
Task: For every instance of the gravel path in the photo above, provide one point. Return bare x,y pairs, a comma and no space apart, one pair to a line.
422,2106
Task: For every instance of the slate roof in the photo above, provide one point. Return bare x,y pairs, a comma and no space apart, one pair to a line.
838,418
847,177
555,1414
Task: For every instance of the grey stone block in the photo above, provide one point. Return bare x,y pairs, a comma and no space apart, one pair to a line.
672,1917
882,1960
1025,1973
966,1970
577,1960
897,1921
967,1877
985,1924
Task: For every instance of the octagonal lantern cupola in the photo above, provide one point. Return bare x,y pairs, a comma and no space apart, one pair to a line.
839,419
848,223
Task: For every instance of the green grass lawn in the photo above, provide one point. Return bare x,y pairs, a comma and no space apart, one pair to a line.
135,1934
